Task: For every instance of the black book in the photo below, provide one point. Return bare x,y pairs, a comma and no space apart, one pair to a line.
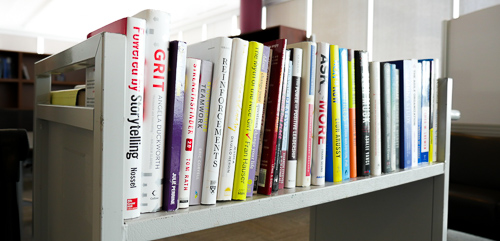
362,96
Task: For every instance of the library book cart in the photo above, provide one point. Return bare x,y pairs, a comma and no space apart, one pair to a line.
78,173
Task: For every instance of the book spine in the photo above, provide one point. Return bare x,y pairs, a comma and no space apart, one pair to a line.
395,115
375,120
200,139
405,118
279,143
344,112
352,113
244,153
263,121
433,119
155,94
291,165
425,132
236,87
173,122
272,118
415,75
320,114
192,84
307,115
362,86
386,118
134,131
261,94
221,58
336,126
286,125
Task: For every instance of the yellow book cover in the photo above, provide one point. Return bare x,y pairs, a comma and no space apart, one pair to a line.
71,97
336,110
247,125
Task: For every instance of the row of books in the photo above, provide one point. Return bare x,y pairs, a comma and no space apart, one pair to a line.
232,117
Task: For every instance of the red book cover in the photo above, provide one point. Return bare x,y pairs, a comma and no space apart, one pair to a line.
118,26
268,157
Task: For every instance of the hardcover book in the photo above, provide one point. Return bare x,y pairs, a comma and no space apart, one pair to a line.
386,118
270,138
286,123
395,115
279,146
291,164
155,103
305,136
375,120
239,55
352,113
344,112
261,98
320,114
334,161
248,110
218,51
189,128
173,123
433,119
362,90
200,139
134,29
425,112
416,107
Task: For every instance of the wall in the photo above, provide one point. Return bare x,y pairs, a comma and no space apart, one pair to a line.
23,43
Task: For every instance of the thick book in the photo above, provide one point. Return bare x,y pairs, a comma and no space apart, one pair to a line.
362,90
69,97
263,120
293,136
155,103
425,112
304,159
236,87
320,114
248,110
344,112
193,67
173,123
279,144
270,138
375,120
352,113
200,139
387,148
334,148
395,116
218,51
259,105
286,123
134,29
405,82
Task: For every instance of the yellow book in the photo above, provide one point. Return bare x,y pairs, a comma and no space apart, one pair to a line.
336,116
71,97
247,125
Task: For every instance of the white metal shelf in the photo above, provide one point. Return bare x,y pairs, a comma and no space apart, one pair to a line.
165,224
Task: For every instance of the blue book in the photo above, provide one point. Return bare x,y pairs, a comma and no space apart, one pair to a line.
329,143
425,112
344,103
405,68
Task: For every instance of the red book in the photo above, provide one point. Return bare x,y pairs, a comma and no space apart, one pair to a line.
268,158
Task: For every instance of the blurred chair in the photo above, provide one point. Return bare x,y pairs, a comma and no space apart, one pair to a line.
14,148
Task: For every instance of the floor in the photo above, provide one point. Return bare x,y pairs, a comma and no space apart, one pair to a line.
293,225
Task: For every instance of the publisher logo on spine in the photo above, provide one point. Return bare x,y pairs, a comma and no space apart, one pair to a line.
189,144
132,204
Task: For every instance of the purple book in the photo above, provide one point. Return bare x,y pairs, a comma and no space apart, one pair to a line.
200,139
173,123
258,118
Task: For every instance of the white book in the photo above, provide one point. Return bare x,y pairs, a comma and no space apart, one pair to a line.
320,113
306,121
218,51
200,139
155,97
395,116
425,112
188,128
435,74
416,74
133,109
239,54
418,107
375,121
291,163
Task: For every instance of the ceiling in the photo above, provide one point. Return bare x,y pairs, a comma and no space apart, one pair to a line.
73,20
